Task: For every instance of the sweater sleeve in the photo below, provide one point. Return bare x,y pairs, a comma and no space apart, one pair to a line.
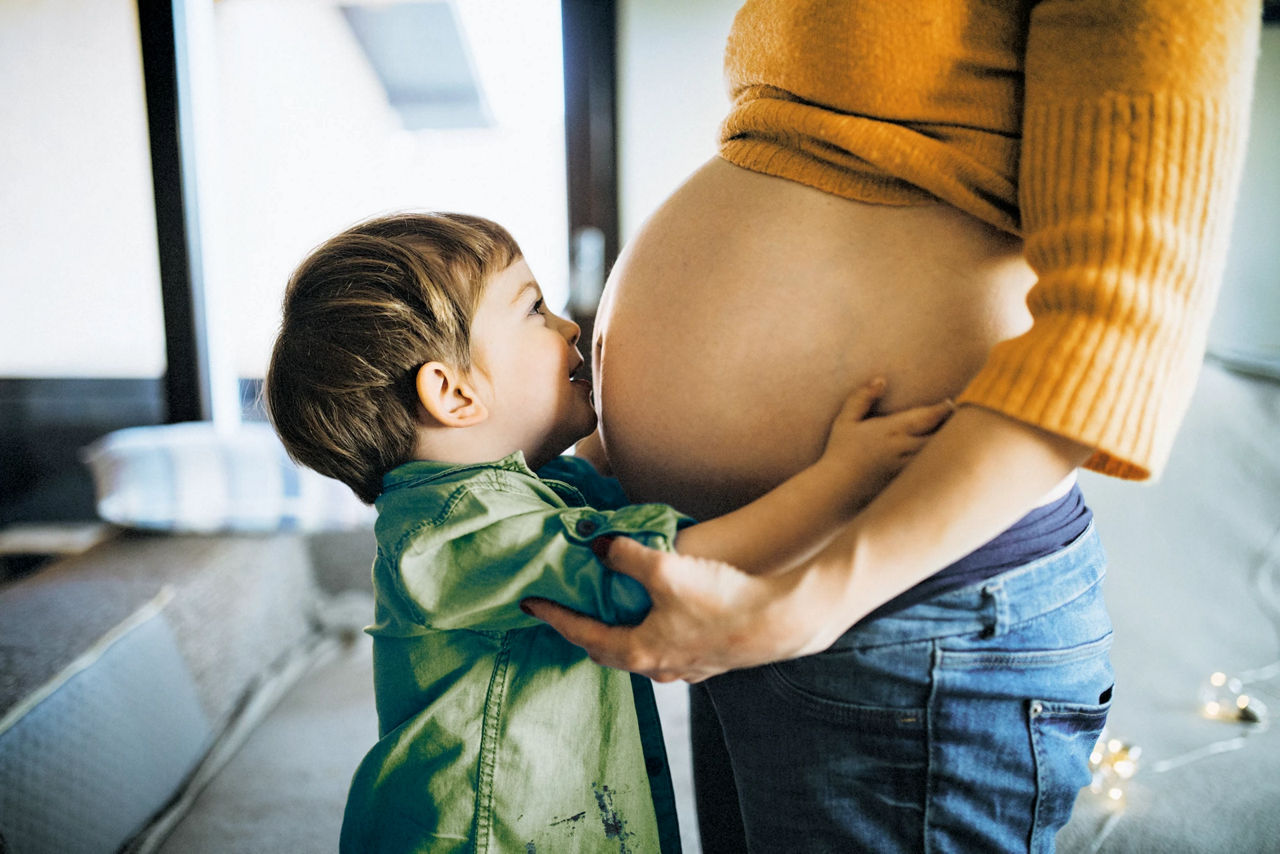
1134,129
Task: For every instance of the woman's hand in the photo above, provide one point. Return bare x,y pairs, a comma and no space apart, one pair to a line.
972,480
707,617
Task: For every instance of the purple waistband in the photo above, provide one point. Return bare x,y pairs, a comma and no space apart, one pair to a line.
1041,532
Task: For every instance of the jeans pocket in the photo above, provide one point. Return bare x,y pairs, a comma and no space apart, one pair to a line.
1063,736
855,773
884,688
791,688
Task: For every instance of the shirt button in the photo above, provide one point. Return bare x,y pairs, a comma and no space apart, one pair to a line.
586,527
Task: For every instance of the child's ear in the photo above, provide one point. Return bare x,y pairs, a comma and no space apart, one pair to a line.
448,397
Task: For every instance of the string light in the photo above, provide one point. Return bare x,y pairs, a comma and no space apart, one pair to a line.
1112,763
1224,698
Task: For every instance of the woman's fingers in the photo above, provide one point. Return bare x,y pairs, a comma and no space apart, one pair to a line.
625,555
665,646
607,645
611,646
619,647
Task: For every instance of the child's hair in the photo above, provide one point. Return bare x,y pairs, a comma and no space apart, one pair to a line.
362,313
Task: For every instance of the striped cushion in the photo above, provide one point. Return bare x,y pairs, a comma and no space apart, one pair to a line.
198,478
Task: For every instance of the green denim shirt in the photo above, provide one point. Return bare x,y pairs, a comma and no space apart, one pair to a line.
496,734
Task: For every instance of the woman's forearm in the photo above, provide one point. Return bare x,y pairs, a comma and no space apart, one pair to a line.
981,473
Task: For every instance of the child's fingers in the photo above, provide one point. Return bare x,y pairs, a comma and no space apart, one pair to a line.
859,402
902,445
925,419
908,446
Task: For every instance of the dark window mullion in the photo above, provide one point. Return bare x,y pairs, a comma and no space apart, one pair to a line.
589,31
188,389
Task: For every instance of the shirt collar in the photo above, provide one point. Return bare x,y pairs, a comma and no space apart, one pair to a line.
417,472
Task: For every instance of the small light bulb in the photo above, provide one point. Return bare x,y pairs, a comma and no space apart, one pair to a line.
1242,702
1217,680
1212,709
1112,763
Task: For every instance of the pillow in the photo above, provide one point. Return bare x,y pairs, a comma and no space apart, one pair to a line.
195,477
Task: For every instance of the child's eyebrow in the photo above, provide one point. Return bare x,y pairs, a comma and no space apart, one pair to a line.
530,285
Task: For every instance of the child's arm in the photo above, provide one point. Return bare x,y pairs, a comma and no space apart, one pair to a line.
799,516
488,547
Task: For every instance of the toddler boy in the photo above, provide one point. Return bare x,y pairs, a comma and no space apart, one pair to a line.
417,363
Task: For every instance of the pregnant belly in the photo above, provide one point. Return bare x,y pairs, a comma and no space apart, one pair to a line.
747,307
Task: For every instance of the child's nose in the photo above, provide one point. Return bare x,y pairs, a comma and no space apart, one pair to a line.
570,330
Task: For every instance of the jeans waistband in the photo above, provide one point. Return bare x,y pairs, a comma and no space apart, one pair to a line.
1014,596
1041,532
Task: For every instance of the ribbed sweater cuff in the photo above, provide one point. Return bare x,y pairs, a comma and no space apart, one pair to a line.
1126,204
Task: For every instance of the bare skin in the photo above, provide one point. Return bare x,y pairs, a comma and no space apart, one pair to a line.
732,328
740,316
709,617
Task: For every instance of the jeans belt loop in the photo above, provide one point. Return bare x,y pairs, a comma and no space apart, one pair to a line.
993,615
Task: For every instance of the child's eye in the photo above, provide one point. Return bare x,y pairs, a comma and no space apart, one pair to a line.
537,307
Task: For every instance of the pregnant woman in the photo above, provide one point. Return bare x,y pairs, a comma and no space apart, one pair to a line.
1024,206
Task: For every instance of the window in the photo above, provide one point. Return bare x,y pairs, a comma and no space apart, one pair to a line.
82,344
330,112
81,291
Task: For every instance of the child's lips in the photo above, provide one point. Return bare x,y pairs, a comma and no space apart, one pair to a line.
582,379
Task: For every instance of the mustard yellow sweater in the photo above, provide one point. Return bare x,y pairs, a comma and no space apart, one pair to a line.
1109,134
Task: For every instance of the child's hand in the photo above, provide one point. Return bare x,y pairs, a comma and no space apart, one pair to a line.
874,449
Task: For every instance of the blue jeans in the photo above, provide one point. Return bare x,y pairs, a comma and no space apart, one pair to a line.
963,723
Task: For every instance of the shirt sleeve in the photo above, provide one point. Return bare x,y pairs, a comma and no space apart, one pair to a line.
1134,128
599,491
473,575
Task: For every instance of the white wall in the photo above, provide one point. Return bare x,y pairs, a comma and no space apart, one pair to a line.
671,96
309,146
297,142
79,283
1246,327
